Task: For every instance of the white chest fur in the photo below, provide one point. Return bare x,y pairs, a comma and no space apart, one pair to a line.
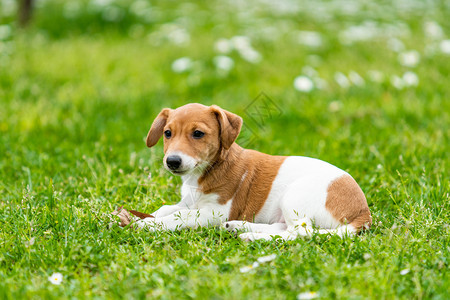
193,198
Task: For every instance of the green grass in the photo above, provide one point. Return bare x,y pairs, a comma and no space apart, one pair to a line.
78,94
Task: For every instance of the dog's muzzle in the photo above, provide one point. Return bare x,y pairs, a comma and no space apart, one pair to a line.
173,162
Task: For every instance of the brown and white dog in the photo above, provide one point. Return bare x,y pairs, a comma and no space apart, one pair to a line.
260,194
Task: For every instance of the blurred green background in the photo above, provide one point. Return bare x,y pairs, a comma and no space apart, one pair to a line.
361,84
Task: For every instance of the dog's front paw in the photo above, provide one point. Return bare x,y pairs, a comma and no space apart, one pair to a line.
253,236
234,226
147,223
247,237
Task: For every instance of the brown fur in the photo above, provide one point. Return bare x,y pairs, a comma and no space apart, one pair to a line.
229,126
249,193
156,130
347,204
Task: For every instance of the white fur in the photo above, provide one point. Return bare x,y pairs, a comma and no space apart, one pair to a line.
188,163
195,209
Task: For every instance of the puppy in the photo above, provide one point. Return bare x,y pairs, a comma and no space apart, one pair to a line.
259,194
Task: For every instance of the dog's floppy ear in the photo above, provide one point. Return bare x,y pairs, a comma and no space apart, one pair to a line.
156,130
229,125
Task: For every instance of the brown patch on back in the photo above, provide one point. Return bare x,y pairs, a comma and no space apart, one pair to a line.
246,176
346,202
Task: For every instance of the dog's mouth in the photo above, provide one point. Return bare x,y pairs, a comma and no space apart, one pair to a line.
184,172
178,172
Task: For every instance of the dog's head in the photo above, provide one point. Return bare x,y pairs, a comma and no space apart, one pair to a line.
194,135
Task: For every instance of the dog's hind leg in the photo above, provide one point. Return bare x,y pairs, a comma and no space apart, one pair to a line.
342,231
254,227
268,236
292,233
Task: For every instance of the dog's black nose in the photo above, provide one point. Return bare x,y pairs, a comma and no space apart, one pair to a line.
173,162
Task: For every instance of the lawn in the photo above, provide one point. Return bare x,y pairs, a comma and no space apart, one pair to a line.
363,85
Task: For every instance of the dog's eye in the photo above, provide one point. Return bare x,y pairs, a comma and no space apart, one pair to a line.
198,134
168,134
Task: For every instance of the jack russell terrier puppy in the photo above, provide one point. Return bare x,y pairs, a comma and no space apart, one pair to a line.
262,195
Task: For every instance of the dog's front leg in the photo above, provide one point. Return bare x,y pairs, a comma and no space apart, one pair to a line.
166,210
184,218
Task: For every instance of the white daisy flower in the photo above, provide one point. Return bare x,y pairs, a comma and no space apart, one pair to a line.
139,7
341,79
250,55
334,106
101,3
367,256
179,36
247,269
404,272
433,30
223,46
112,13
355,78
181,65
307,295
303,84
223,63
56,278
410,79
445,46
364,32
243,46
240,42
396,45
409,58
310,38
267,258
375,75
397,82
